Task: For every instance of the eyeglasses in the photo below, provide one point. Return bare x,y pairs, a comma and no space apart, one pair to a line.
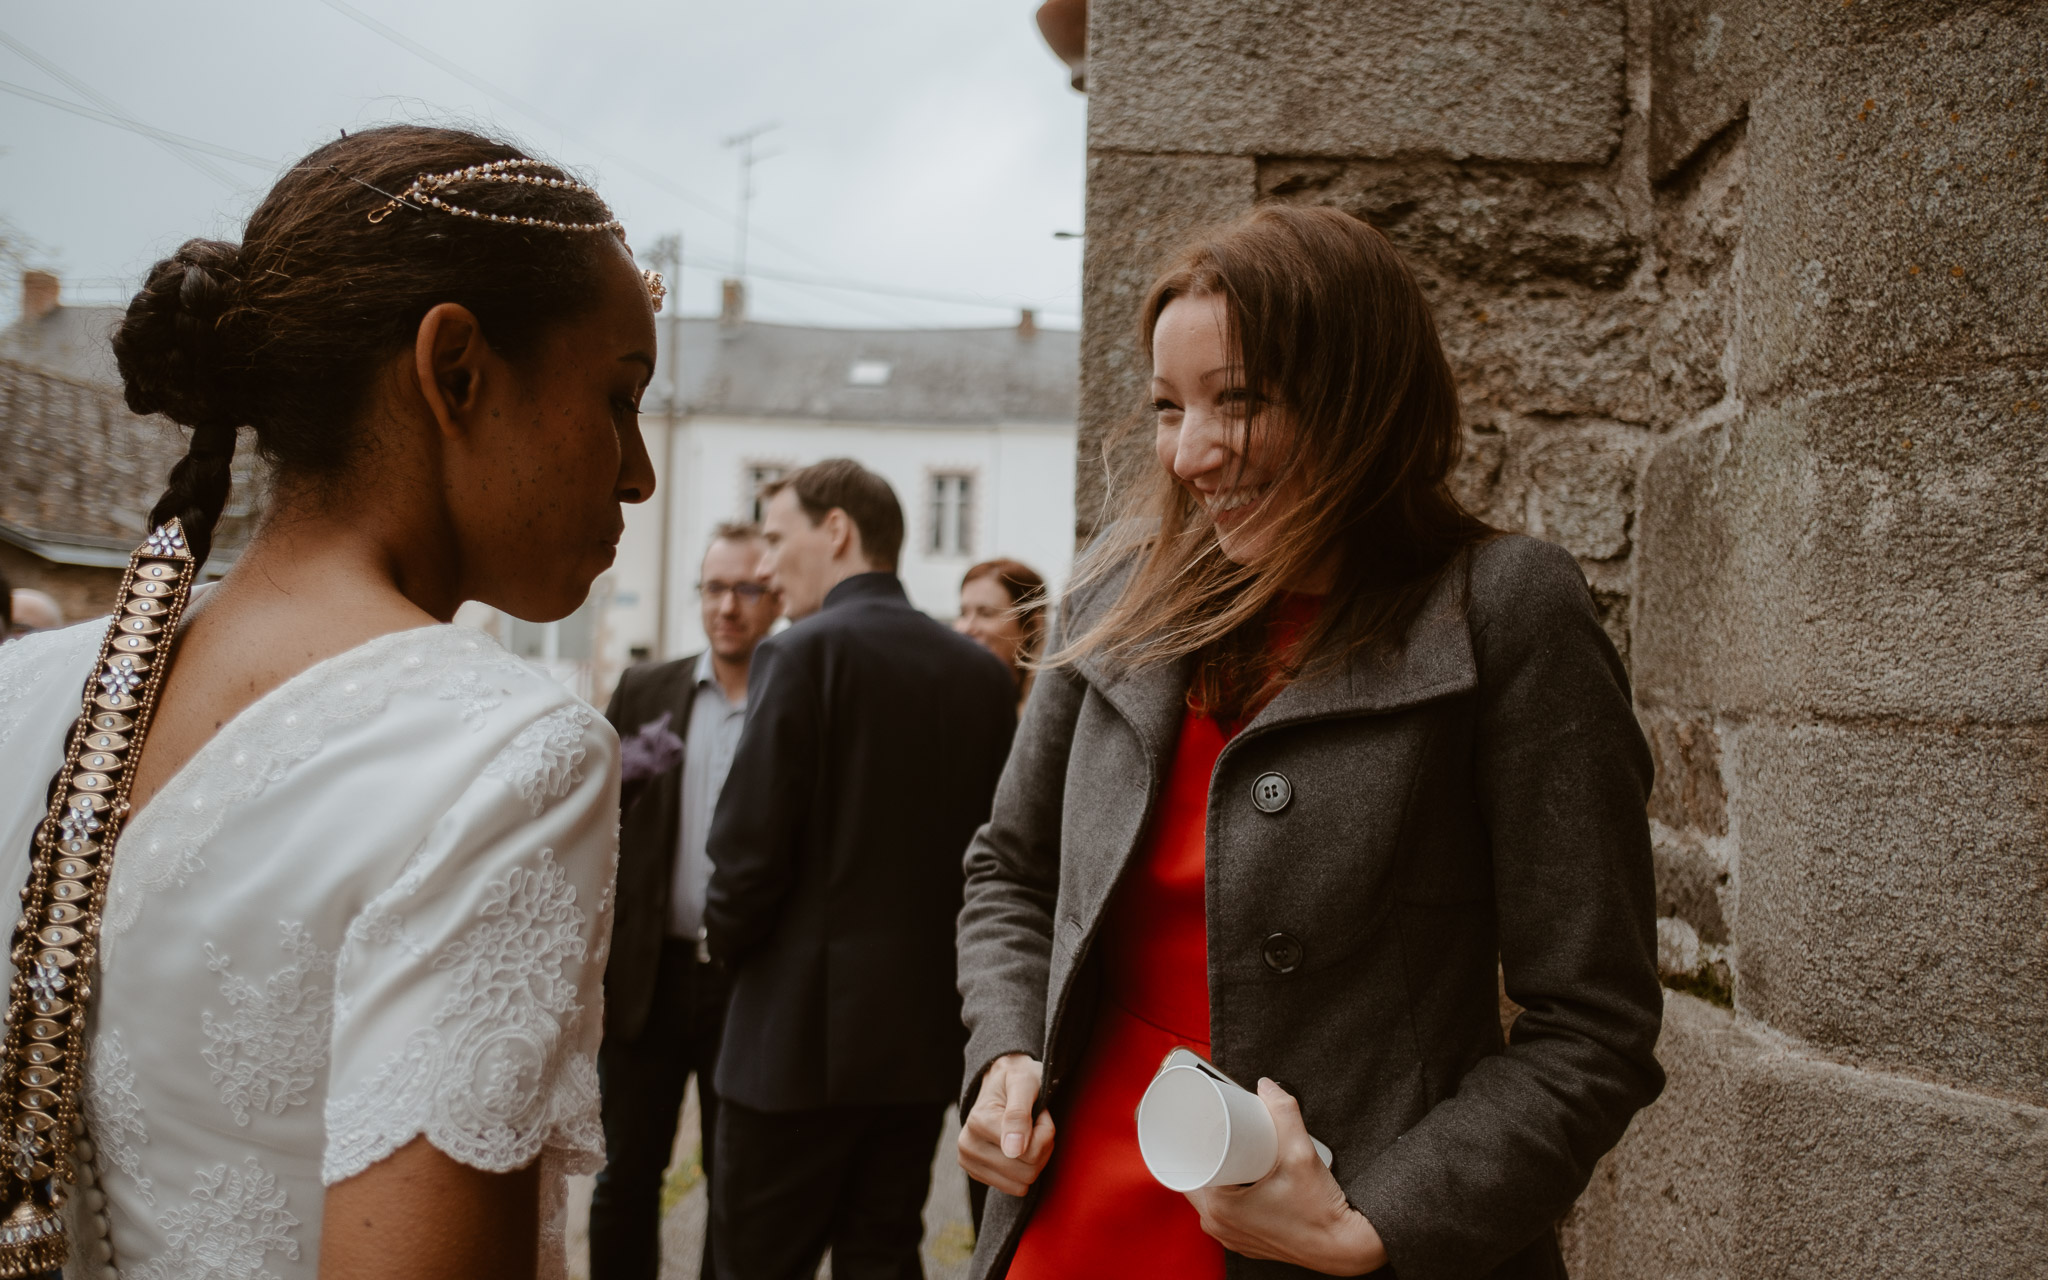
748,592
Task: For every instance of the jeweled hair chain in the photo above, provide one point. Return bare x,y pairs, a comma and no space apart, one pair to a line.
56,941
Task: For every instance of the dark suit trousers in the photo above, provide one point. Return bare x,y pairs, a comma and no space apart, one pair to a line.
643,1083
790,1184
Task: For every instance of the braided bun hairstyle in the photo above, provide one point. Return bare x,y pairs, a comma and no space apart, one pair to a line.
178,358
285,332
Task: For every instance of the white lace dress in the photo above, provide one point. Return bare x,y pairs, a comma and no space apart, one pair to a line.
374,907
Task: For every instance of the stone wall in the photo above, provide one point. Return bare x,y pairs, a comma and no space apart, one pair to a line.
1749,304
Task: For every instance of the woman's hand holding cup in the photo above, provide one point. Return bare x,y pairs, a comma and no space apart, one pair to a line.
1000,1142
1295,1214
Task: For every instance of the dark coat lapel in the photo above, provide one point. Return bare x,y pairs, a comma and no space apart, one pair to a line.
671,688
649,816
1152,698
1434,661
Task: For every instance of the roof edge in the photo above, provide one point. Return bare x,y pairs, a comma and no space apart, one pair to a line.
86,550
58,375
717,413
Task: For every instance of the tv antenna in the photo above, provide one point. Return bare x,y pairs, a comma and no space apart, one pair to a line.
749,157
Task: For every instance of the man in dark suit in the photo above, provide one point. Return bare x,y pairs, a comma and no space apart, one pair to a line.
679,724
874,740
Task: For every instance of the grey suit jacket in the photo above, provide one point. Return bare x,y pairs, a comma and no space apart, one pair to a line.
1475,801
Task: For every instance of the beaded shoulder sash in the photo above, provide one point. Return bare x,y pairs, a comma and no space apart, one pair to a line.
42,1056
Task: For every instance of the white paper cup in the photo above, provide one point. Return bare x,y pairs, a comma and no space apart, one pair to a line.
1198,1128
1197,1131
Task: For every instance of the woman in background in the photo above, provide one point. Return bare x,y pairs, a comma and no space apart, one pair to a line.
346,1009
1322,754
1002,608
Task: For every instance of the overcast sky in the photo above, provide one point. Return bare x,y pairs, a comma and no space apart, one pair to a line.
930,146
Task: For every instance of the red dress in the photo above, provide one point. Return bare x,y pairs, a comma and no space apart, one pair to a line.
1099,1212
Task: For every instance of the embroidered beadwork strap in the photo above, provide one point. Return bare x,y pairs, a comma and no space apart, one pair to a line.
42,1063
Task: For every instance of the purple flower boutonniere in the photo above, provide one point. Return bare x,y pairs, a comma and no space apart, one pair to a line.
652,750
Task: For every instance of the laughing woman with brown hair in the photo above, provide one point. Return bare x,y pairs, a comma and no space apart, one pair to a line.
1317,756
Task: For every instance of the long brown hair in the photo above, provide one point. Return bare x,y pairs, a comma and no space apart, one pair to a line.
1335,336
1026,589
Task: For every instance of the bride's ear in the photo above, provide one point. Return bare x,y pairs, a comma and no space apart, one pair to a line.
450,356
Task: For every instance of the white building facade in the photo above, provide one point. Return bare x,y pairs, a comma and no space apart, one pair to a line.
974,429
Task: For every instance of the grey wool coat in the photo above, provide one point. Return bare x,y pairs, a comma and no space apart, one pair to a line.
1470,806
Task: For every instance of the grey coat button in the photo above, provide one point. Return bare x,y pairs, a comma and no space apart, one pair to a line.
1282,952
1272,792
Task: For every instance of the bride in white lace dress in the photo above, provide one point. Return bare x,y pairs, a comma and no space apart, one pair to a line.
349,993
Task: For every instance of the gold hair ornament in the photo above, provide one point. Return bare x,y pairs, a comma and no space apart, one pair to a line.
423,189
656,290
56,941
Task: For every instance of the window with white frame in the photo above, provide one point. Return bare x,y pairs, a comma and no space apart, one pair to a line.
952,514
759,474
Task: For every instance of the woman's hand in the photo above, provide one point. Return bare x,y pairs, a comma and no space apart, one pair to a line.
1297,1213
999,1143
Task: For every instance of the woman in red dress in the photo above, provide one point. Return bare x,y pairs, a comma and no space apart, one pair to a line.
1320,752
1109,1217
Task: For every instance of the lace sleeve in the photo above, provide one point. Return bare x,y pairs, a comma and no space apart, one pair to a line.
468,995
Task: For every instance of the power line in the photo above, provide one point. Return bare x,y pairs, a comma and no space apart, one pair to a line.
822,290
183,146
893,318
889,291
136,126
112,108
719,266
519,104
653,177
854,305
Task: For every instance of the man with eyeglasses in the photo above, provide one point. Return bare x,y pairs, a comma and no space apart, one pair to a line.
679,724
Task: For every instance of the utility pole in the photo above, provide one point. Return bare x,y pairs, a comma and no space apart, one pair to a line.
667,256
748,158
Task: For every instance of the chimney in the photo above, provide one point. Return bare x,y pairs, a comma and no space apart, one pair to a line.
39,292
732,308
1027,324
